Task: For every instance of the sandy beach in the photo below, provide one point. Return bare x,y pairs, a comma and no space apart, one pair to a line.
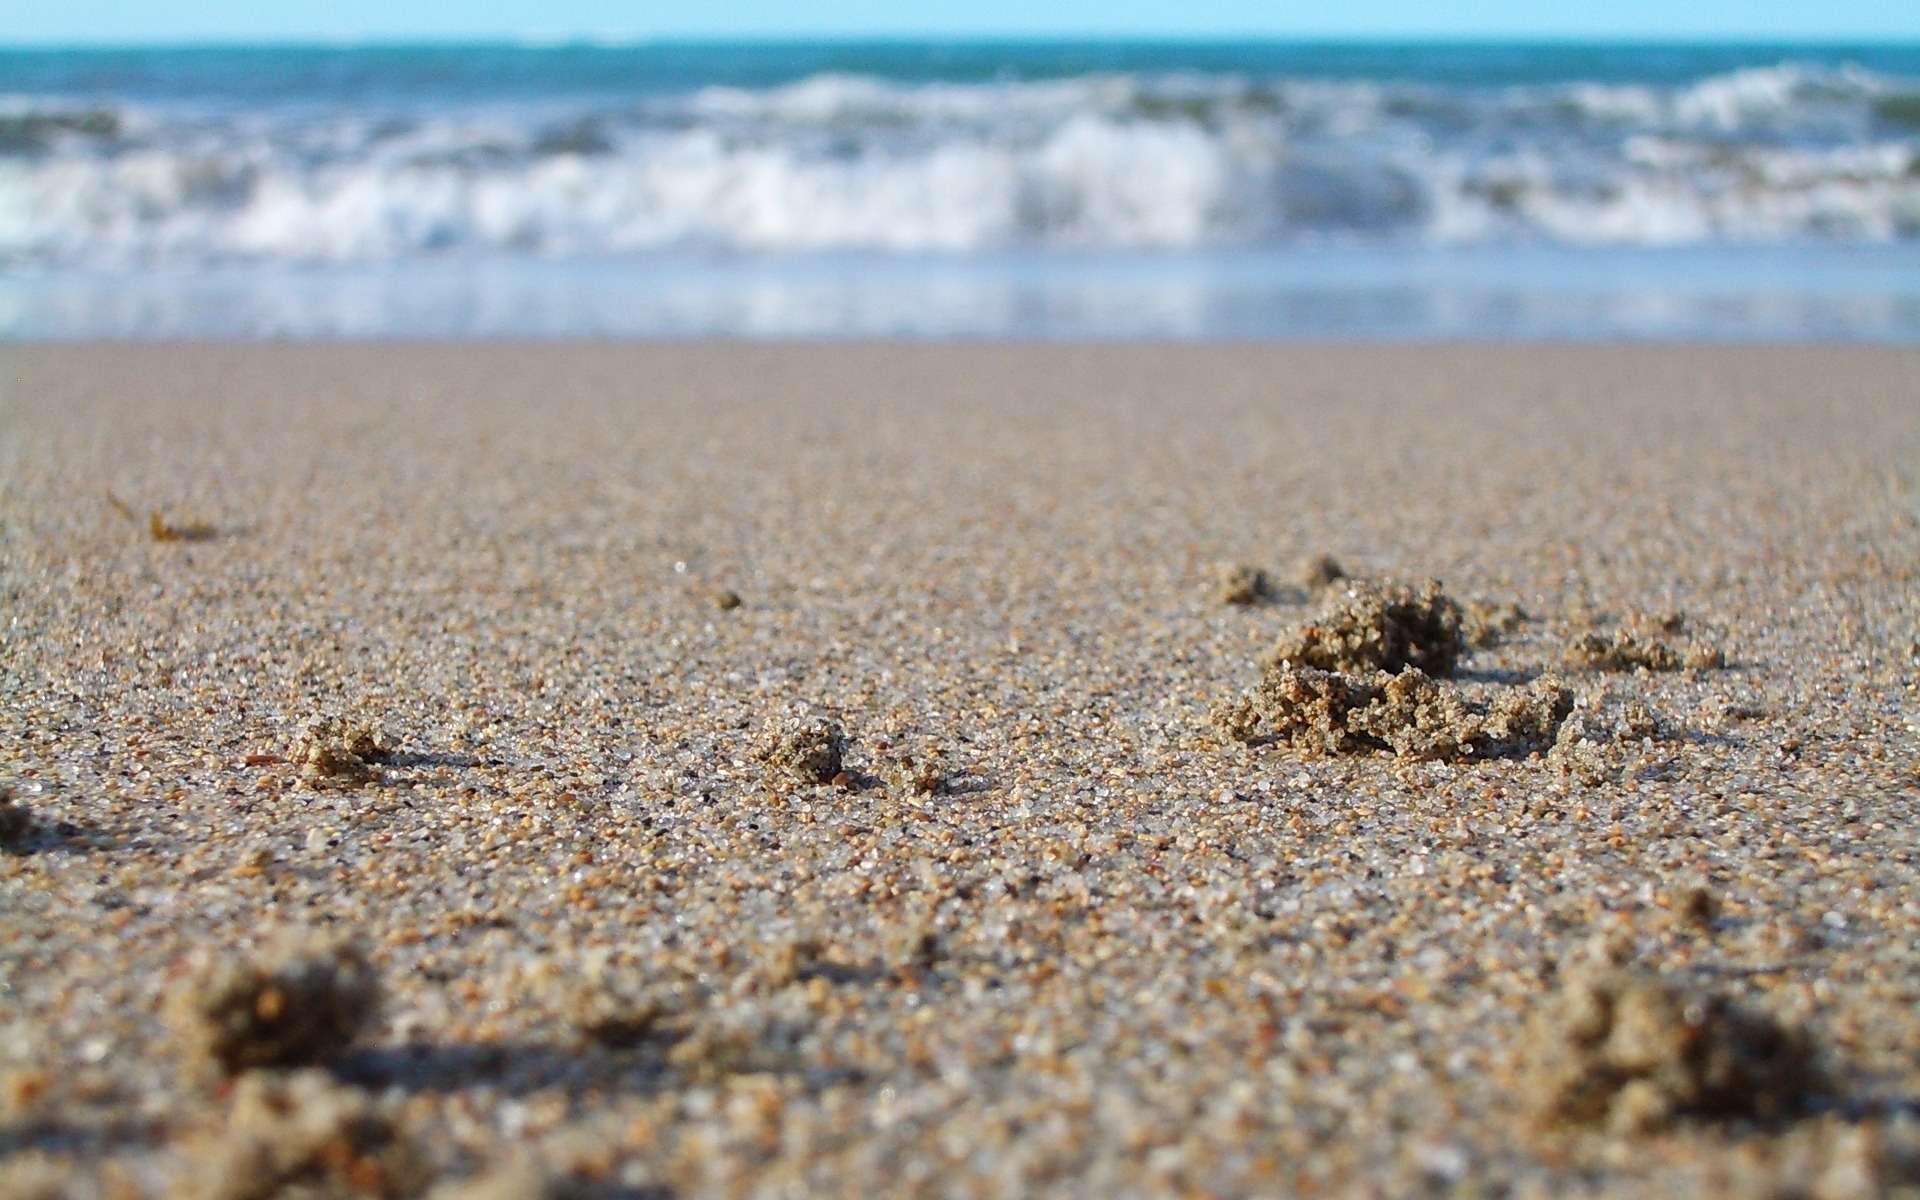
1048,929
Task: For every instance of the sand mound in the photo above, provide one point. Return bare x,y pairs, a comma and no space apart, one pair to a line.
1631,1052
302,1136
1410,714
810,749
341,750
1379,627
297,1004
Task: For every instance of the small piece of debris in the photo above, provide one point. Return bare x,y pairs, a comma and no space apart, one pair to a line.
1318,571
160,529
1629,1052
809,748
298,1003
726,599
341,751
163,530
1300,707
1244,585
303,1136
1411,714
18,825
1379,627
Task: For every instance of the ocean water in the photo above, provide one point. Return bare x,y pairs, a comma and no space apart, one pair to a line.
1026,190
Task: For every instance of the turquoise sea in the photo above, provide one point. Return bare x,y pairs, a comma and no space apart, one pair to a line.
963,190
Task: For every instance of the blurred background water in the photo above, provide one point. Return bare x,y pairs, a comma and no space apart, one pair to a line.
963,189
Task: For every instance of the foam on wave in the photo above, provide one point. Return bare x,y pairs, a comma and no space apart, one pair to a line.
854,163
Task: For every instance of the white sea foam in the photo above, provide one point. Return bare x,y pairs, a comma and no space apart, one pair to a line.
848,163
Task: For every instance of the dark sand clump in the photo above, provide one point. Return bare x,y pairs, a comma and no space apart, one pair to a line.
1244,585
1632,1053
1411,714
297,1004
17,823
1379,627
303,1136
810,749
341,750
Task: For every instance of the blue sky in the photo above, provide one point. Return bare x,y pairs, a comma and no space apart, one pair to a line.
137,21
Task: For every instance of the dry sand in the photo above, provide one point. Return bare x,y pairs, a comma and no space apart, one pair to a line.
1111,952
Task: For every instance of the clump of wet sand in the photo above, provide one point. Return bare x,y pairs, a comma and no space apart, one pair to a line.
340,750
1379,626
18,825
299,1002
1410,714
301,1135
1318,571
1489,622
805,747
1644,643
1243,585
1359,677
1630,1052
621,1013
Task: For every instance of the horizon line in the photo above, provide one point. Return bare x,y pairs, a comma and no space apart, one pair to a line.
669,40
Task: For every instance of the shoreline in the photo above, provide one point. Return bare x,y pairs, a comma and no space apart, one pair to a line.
1795,293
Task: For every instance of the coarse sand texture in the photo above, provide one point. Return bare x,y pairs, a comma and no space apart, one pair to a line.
602,771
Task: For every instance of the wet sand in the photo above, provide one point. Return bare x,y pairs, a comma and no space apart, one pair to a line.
1113,952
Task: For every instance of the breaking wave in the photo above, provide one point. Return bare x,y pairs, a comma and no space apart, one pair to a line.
840,162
